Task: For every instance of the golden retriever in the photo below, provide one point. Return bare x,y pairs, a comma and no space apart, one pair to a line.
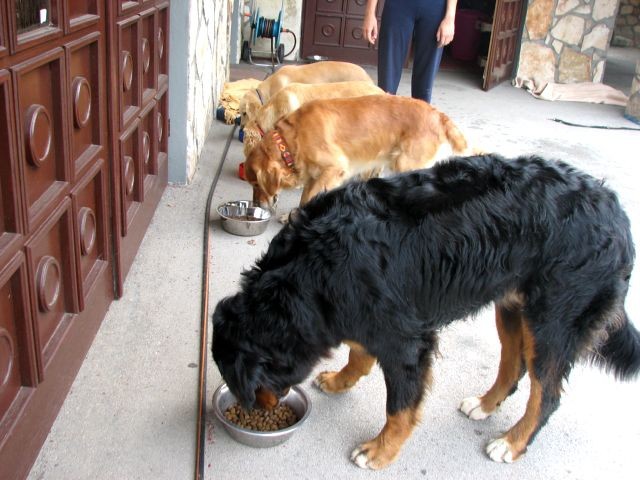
325,142
292,97
320,72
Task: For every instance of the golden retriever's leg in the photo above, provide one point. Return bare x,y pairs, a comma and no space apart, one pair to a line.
413,155
509,325
373,173
359,365
330,178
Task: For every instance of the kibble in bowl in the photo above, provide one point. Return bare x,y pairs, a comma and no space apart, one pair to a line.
260,419
258,427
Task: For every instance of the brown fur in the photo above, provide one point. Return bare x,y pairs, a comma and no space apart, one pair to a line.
519,436
359,365
385,448
295,95
321,72
333,140
266,399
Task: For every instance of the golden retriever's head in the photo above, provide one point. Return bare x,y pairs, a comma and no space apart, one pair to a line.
252,136
249,105
267,173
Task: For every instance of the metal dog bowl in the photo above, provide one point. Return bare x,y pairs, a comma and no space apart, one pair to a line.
315,58
297,399
243,217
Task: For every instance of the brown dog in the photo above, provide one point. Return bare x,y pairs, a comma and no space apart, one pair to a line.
325,142
321,72
293,96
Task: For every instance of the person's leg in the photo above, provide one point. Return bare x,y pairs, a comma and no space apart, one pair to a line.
396,28
426,54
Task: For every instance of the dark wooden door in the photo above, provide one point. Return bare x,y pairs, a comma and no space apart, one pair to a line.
83,133
139,72
334,29
505,39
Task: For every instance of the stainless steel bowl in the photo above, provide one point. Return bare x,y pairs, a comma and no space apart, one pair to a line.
243,217
315,58
297,399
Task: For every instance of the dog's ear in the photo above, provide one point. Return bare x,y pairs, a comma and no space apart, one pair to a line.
228,309
270,179
239,364
276,176
251,137
245,379
249,104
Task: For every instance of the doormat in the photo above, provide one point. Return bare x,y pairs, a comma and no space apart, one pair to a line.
574,92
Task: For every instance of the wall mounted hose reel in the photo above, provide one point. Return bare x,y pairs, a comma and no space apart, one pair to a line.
261,27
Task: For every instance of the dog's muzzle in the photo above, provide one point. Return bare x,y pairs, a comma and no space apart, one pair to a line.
270,204
269,400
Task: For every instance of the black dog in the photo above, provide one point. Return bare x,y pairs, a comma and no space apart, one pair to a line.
382,265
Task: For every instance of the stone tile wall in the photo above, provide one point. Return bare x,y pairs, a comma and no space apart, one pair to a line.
627,28
209,39
565,41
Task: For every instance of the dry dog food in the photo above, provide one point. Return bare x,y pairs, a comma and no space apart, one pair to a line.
260,419
245,218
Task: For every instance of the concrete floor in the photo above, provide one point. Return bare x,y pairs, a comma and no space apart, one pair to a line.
131,413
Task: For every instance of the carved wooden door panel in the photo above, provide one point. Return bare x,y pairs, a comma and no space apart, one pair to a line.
505,39
139,82
83,135
333,28
56,278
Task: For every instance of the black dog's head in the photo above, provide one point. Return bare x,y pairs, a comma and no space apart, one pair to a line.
252,351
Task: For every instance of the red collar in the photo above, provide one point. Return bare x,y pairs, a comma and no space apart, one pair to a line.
284,152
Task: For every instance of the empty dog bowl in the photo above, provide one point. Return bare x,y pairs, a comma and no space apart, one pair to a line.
315,58
243,217
296,399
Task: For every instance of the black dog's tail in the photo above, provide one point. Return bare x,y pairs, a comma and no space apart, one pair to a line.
620,352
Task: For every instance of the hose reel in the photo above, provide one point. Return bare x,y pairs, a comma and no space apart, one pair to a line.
267,28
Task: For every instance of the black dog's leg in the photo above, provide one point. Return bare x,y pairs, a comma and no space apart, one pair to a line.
359,365
546,371
511,370
406,385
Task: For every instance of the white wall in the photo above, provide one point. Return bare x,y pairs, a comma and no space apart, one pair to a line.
199,67
200,48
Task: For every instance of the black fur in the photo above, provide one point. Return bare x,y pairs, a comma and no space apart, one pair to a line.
388,262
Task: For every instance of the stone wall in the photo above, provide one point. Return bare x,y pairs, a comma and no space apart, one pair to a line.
565,41
627,30
208,69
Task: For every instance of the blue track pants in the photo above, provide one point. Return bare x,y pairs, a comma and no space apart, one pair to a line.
401,21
